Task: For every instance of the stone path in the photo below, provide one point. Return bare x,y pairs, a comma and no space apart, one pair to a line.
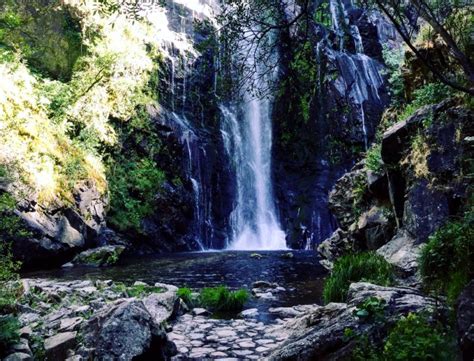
198,337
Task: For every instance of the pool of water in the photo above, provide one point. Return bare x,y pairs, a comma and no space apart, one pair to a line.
301,276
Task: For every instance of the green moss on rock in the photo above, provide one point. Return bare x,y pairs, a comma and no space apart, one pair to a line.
98,257
47,35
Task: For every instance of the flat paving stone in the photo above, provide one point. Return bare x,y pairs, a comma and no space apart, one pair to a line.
246,344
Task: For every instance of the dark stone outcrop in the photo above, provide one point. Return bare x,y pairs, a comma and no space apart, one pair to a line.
310,155
124,332
59,231
375,227
425,210
425,160
343,199
101,256
334,247
322,334
465,321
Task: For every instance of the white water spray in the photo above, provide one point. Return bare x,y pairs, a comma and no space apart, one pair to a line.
247,132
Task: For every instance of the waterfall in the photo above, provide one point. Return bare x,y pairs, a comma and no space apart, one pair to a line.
247,131
247,137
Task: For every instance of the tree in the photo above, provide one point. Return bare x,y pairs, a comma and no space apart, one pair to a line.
451,20
253,35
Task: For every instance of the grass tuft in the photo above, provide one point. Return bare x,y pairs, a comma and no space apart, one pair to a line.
367,267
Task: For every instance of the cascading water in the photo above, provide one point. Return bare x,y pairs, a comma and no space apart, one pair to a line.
247,131
253,221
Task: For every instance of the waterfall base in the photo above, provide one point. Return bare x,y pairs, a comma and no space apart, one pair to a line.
267,237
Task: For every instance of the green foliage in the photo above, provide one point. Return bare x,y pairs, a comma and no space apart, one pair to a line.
447,261
9,326
365,350
8,267
431,93
366,267
322,15
414,338
142,290
359,189
394,60
68,126
136,290
135,178
373,159
7,202
221,299
47,37
11,226
186,294
8,291
304,70
371,309
133,186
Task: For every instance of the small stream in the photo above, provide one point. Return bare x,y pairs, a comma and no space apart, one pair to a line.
301,275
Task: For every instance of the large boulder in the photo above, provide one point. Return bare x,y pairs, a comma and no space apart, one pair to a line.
58,231
126,331
163,305
56,347
100,256
465,321
396,139
426,209
375,227
402,252
334,247
322,333
344,198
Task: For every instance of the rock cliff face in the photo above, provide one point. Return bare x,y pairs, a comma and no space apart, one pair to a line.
194,214
191,209
421,187
57,231
350,95
350,98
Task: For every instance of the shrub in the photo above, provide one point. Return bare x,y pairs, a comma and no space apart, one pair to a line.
186,295
367,267
414,338
221,299
372,309
9,326
447,261
133,187
373,159
431,93
142,290
394,60
136,290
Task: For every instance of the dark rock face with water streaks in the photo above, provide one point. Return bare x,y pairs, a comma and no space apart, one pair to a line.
349,99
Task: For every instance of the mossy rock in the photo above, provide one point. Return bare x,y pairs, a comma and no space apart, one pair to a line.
99,257
47,35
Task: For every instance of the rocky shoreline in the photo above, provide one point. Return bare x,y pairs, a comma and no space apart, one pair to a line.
104,320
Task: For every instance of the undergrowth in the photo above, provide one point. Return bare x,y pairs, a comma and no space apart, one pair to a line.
366,267
216,299
413,338
447,260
